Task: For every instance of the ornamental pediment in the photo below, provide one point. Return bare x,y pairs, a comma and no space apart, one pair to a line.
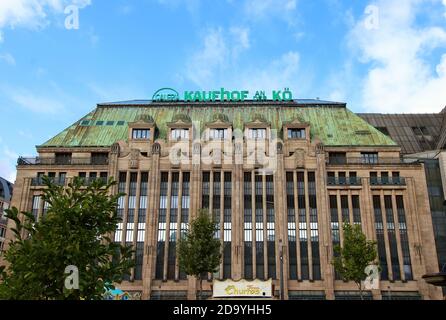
219,120
180,120
296,123
258,120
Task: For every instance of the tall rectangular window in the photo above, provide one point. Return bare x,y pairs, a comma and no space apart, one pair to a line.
185,202
121,203
185,206
335,235
379,228
131,207
270,227
260,266
291,219
36,206
247,213
216,202
356,209
205,190
392,238
173,217
46,206
141,225
303,234
162,214
131,213
403,237
227,228
314,230
122,182
344,209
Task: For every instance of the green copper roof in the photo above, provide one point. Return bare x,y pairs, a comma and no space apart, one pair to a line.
333,125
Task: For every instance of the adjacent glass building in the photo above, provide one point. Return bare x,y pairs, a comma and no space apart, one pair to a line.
422,138
6,188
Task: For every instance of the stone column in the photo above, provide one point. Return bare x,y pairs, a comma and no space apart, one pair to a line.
151,222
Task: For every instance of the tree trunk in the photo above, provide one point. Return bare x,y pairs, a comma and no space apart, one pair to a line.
360,291
200,287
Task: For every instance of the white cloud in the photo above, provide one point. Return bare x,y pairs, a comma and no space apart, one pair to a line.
25,134
125,9
93,36
219,62
9,153
7,171
265,9
219,50
444,3
8,58
8,159
401,75
191,5
33,14
242,36
280,73
115,91
35,102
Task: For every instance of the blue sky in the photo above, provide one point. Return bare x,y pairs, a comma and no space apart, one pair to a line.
378,56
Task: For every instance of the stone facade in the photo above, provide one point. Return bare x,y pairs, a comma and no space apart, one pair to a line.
271,192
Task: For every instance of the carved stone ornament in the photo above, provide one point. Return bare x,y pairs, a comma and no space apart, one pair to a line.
196,148
299,158
156,148
320,148
115,148
279,148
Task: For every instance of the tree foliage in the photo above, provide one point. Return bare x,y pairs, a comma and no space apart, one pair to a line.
351,260
74,231
198,249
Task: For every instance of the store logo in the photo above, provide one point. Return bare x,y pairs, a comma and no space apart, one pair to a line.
248,291
166,94
169,94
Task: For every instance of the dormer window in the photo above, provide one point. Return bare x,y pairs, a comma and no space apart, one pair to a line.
257,133
296,133
180,134
369,157
141,134
218,133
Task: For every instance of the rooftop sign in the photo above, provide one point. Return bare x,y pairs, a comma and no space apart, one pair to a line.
169,94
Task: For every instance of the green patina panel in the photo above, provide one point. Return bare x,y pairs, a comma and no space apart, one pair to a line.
334,126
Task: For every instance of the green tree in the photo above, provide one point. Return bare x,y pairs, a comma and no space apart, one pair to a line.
198,249
74,232
351,260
